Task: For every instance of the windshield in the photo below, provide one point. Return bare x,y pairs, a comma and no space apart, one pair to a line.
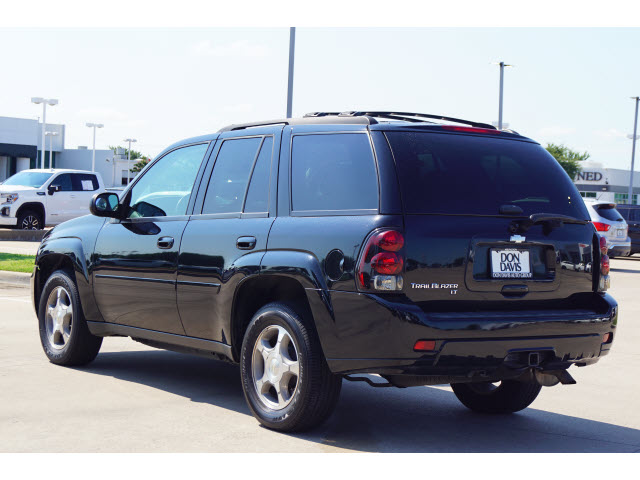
474,175
28,179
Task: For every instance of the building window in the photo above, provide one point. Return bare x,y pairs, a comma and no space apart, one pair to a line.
623,198
588,194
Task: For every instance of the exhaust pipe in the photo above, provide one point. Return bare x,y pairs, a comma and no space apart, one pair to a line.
553,377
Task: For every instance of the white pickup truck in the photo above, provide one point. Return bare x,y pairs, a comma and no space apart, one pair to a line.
31,199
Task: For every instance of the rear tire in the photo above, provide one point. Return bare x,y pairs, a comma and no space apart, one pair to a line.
30,220
64,333
285,377
508,397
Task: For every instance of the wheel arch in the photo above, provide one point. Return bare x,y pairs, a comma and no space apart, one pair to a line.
37,207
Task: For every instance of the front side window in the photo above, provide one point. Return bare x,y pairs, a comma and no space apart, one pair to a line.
333,172
165,188
64,182
228,182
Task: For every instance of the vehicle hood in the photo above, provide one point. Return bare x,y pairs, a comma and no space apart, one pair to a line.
16,188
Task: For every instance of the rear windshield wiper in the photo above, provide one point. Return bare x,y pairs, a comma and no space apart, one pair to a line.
548,220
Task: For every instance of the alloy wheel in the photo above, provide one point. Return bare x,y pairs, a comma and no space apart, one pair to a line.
30,222
59,318
276,367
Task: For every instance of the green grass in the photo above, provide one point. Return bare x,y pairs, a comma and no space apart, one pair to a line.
17,263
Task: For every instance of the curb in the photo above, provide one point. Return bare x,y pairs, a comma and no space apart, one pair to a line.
22,235
15,278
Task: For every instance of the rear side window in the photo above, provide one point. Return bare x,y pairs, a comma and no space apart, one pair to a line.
258,194
609,212
83,182
333,172
465,174
230,175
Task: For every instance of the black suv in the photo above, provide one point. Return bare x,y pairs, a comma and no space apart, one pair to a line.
631,214
323,248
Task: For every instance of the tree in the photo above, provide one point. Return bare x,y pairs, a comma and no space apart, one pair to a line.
139,165
567,158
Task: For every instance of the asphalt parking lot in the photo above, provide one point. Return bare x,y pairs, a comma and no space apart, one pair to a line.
137,399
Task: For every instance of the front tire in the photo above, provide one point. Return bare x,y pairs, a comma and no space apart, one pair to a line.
30,220
508,397
64,333
285,377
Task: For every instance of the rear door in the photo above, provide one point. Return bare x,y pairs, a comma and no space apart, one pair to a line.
85,185
467,199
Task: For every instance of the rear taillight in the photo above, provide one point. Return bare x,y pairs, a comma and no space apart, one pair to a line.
382,261
605,280
601,227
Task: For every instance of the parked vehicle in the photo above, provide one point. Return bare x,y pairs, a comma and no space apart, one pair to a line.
31,199
322,248
631,213
611,226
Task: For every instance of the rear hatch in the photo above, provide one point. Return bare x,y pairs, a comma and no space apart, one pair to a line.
491,222
608,215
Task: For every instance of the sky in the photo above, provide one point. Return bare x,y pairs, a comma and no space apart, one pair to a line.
570,86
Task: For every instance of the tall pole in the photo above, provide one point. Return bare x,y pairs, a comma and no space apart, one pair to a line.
633,151
292,47
51,150
44,124
500,100
93,155
129,164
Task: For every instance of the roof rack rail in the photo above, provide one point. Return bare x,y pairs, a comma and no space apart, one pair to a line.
240,126
405,116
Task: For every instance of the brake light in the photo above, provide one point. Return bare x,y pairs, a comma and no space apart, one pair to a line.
603,246
382,261
601,227
604,265
453,128
425,345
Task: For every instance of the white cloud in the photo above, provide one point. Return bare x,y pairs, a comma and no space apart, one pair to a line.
241,48
556,131
610,133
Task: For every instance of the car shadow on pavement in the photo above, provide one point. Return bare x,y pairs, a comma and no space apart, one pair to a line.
418,419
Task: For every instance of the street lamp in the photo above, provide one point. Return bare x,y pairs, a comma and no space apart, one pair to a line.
292,47
93,156
130,140
44,102
633,150
50,134
502,65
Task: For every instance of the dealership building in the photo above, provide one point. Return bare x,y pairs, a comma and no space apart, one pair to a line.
606,184
21,149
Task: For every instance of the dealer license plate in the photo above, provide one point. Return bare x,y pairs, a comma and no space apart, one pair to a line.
621,233
510,263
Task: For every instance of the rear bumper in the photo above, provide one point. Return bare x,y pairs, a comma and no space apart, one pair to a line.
619,250
466,343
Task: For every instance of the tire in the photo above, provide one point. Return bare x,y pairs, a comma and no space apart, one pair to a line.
276,340
30,220
510,396
64,333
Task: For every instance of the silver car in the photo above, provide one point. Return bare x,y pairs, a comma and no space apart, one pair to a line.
610,225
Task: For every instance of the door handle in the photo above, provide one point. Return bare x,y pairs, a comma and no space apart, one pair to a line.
246,243
165,242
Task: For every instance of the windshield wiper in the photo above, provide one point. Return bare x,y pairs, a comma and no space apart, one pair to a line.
548,220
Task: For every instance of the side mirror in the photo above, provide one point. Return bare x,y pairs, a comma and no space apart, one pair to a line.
53,189
105,205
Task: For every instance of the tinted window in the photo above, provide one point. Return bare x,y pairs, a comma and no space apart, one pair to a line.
258,193
165,187
464,174
83,182
64,182
333,172
608,212
230,175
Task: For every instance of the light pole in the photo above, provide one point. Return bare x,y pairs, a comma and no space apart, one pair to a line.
50,134
93,155
130,140
633,150
292,47
502,65
44,102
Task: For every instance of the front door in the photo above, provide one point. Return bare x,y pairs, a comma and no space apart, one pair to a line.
61,203
136,258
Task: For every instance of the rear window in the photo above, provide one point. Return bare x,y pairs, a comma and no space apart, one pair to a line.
465,174
609,212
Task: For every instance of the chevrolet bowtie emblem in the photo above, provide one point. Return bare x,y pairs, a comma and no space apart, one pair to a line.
517,238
